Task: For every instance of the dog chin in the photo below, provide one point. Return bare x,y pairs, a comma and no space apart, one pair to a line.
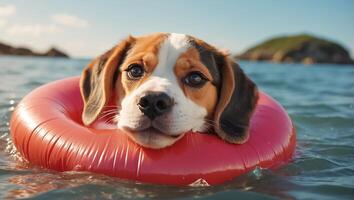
152,138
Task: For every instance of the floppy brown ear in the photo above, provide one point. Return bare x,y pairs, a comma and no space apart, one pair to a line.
97,80
237,99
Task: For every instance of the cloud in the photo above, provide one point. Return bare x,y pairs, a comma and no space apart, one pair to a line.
35,30
69,20
58,23
7,10
3,22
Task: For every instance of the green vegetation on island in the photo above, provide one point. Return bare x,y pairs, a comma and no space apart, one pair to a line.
302,48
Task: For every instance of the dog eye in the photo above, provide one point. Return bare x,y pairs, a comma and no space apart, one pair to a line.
135,71
195,79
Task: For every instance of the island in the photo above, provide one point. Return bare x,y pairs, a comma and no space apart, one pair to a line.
303,48
6,49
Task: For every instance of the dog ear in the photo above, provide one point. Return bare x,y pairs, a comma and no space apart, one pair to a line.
238,96
98,80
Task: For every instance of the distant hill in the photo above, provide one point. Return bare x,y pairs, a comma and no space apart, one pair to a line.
303,48
6,49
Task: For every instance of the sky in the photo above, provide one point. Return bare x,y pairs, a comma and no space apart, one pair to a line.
88,28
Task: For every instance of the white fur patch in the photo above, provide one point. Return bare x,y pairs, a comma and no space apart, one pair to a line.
185,114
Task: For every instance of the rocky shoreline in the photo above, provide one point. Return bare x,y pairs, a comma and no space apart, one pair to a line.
6,49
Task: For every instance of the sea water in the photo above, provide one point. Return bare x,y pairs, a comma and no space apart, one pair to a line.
319,99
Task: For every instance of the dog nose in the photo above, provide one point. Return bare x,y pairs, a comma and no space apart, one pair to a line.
155,104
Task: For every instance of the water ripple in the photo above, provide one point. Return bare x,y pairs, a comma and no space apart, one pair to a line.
321,107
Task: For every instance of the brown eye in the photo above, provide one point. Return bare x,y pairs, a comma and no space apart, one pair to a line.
195,79
135,71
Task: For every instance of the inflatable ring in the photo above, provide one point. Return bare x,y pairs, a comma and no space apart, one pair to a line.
47,130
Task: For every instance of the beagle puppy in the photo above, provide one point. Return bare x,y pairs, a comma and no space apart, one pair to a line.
160,86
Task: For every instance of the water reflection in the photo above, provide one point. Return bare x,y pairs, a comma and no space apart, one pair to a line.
43,184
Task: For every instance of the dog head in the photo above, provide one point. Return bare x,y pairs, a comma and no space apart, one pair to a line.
169,84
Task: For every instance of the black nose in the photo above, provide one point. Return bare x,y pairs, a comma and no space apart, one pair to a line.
155,104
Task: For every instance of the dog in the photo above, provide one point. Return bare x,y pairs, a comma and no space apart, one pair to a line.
166,84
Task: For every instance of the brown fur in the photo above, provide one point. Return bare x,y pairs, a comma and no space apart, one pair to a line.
230,97
97,80
205,96
237,96
144,53
236,104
